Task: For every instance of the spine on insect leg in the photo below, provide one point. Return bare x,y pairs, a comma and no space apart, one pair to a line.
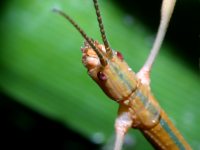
153,122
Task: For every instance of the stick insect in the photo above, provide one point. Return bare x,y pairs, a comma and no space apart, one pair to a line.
137,106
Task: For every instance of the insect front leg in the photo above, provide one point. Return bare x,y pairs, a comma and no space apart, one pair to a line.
122,123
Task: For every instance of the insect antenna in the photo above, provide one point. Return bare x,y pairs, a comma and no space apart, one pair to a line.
102,30
80,30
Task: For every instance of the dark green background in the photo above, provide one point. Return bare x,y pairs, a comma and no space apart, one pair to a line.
46,92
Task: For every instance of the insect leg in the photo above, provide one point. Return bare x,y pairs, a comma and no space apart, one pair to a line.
166,13
122,123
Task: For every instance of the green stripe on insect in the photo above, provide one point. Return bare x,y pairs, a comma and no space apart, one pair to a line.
163,123
121,75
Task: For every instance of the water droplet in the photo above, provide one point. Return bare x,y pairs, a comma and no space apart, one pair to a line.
129,69
129,140
188,118
128,20
98,138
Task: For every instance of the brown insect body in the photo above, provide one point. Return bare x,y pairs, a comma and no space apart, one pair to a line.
121,84
137,106
115,70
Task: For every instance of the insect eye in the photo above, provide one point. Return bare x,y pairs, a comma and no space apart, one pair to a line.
120,56
101,76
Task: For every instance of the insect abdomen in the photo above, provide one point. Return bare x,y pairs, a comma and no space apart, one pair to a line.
153,122
165,136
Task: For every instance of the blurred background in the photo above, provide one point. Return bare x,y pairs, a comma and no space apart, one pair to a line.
47,100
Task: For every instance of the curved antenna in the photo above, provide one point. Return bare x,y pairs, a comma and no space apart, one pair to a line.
99,54
103,34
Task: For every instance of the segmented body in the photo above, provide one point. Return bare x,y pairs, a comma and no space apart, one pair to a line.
165,136
154,123
121,84
137,106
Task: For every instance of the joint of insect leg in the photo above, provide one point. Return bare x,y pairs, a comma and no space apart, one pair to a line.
144,75
124,120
